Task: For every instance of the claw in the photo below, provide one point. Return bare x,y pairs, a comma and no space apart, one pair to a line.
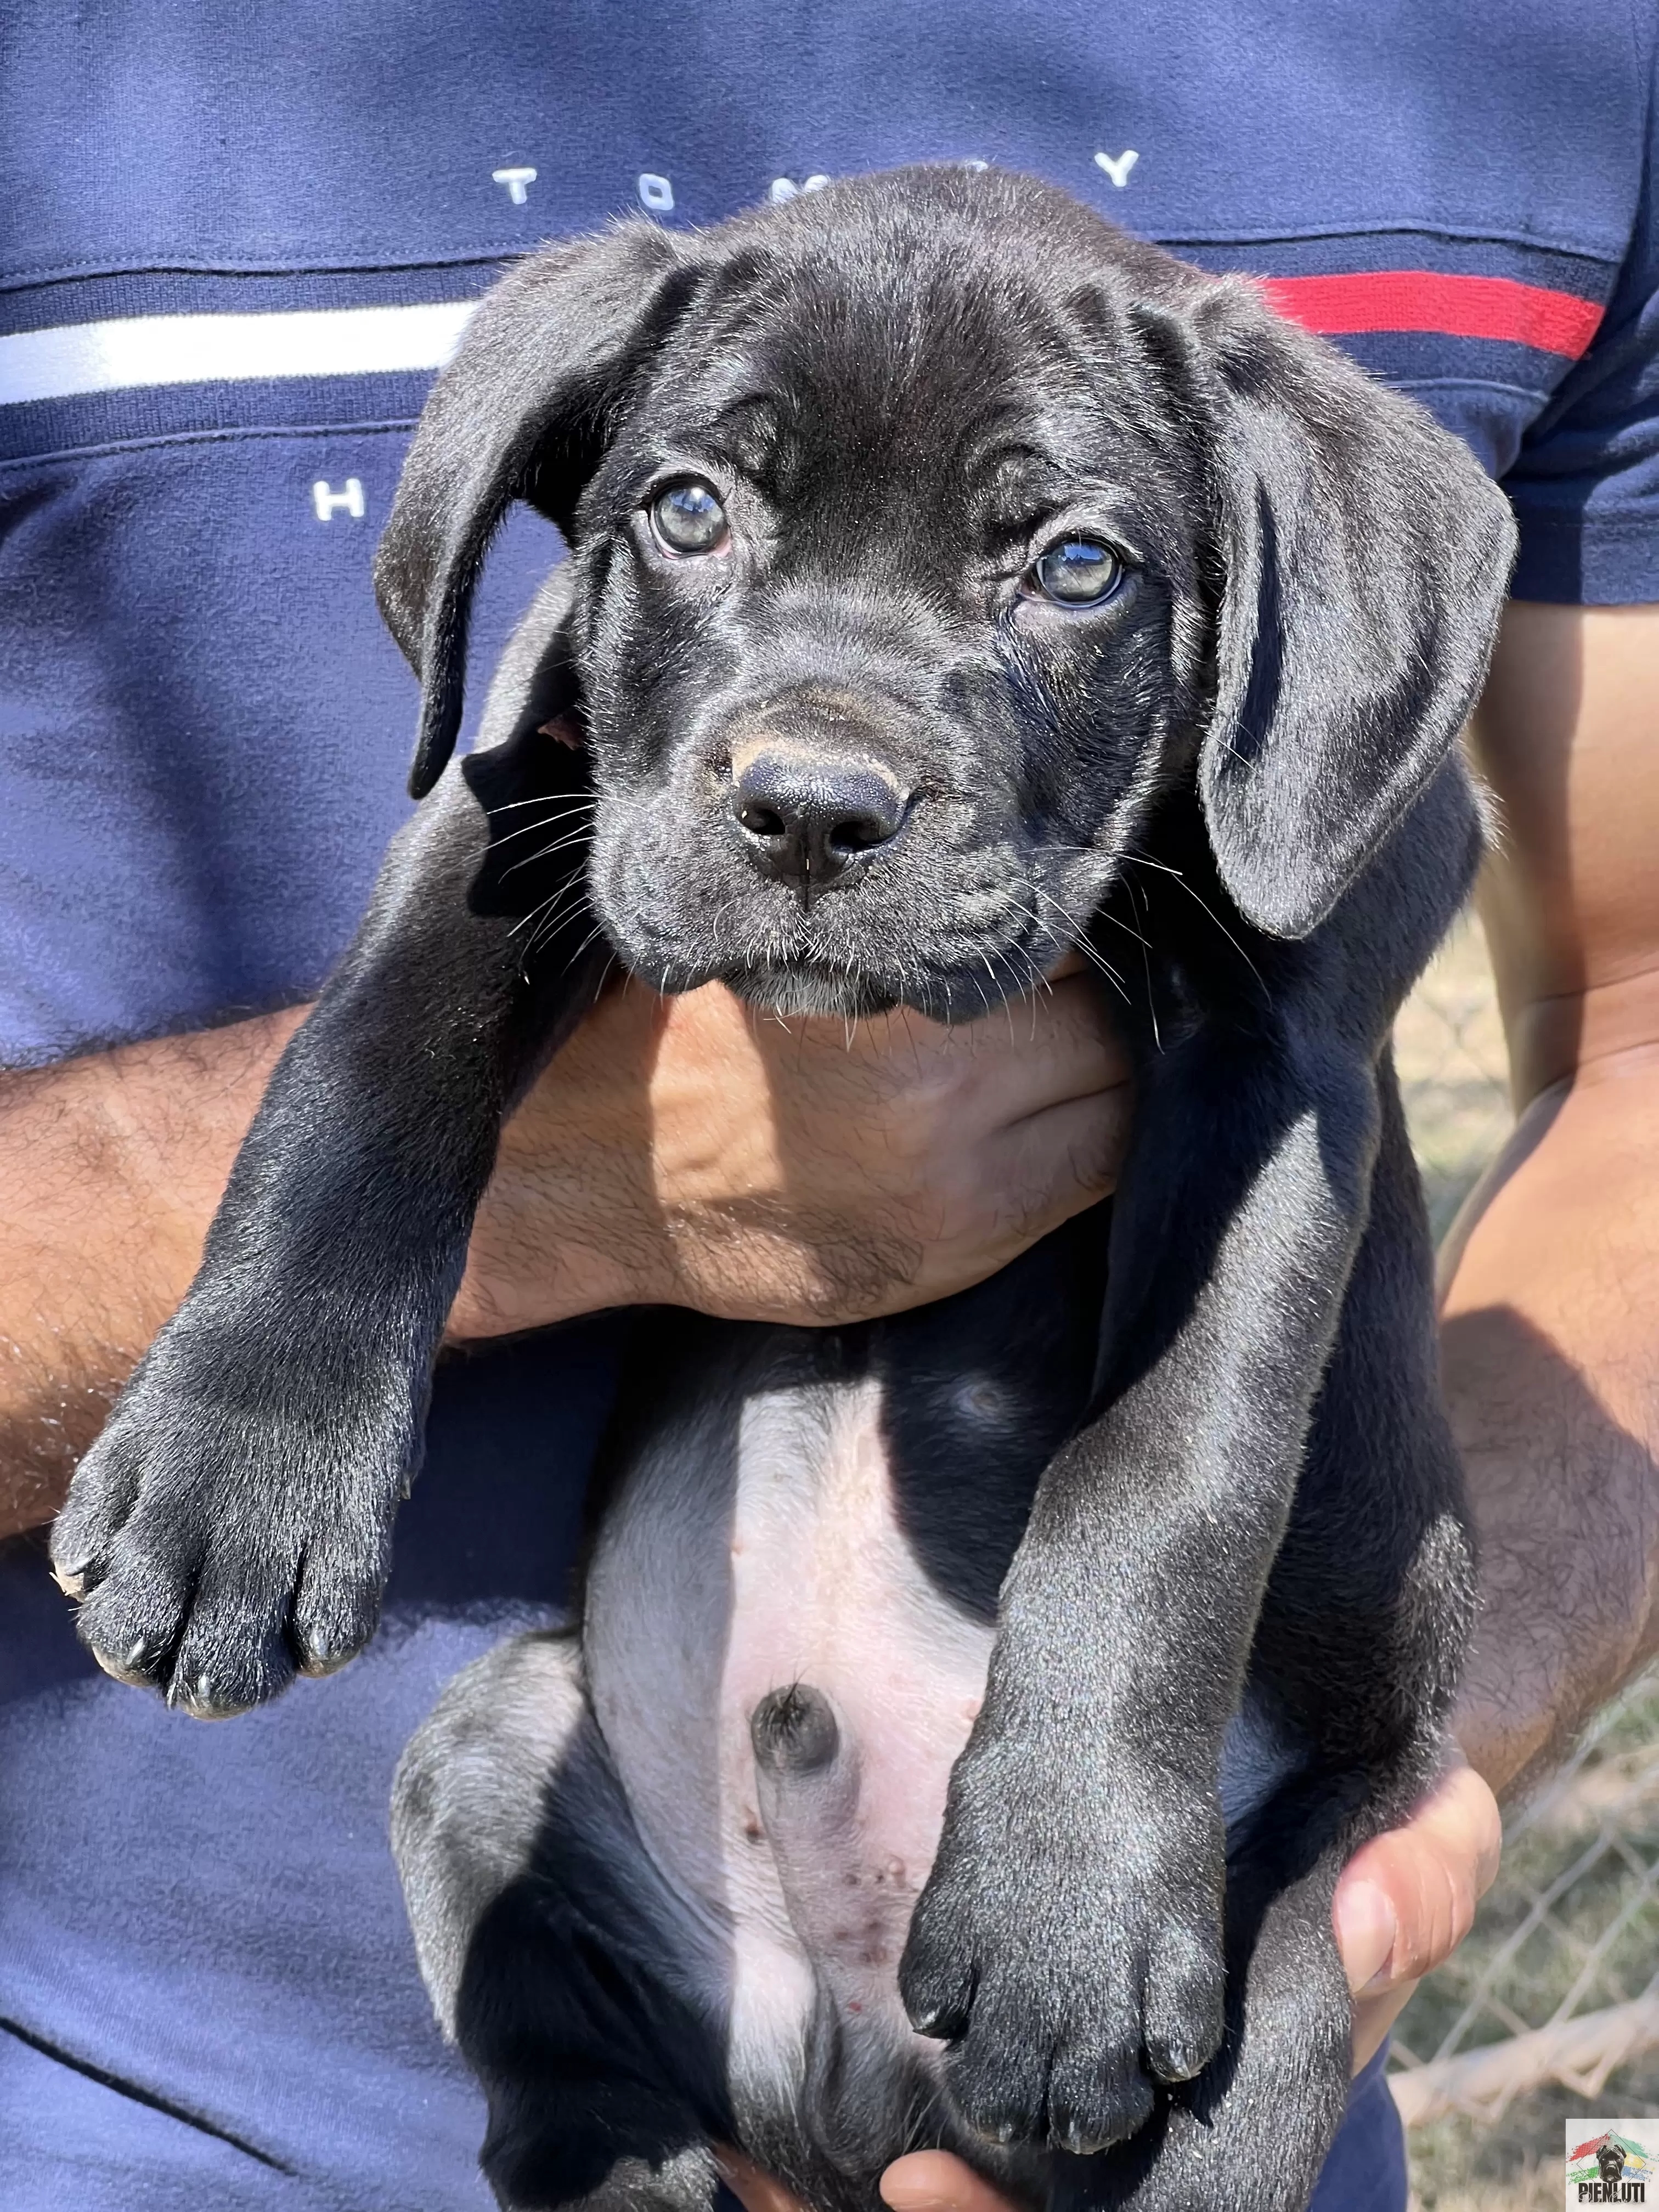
135,1668
999,2135
198,1698
1082,2144
1179,2064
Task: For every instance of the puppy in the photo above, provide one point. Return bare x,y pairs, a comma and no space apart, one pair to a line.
953,580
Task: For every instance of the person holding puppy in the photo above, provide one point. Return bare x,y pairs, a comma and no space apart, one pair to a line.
197,1927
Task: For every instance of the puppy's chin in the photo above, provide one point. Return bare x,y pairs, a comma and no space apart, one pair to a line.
806,990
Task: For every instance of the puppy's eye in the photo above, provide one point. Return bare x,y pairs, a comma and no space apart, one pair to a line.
688,518
1077,572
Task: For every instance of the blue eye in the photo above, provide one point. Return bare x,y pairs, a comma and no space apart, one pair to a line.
688,518
1077,572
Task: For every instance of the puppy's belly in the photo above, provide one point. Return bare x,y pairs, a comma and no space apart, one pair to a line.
754,1564
784,1694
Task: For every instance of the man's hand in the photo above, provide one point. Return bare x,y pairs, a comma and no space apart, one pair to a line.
682,1150
1406,1900
688,1151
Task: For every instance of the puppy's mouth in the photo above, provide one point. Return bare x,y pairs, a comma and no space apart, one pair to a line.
970,973
805,988
952,933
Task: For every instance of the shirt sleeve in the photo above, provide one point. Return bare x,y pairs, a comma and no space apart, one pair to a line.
1586,484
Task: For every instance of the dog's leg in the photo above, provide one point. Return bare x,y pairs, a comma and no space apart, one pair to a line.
1372,1601
232,1523
1362,1631
579,1992
1069,1941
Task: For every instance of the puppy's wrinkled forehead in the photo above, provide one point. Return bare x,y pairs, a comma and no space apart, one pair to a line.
866,393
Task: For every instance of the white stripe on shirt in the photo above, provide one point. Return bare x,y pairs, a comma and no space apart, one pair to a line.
140,350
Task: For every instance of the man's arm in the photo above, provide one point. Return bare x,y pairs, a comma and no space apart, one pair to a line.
109,1169
1550,1328
676,1150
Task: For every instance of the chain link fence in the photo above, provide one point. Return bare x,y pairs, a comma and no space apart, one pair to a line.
1551,2008
1454,1071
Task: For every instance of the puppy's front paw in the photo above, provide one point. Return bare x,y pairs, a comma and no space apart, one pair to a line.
1068,1946
231,1525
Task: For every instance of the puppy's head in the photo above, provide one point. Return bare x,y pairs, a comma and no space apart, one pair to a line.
929,535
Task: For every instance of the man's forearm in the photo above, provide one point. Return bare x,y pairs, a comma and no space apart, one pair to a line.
1550,1357
1550,1335
110,1167
680,1151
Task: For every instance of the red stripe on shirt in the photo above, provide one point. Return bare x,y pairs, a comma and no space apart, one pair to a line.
1426,300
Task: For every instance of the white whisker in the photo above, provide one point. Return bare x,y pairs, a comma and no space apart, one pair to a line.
1140,861
566,798
1079,942
1145,961
530,828
546,852
1102,915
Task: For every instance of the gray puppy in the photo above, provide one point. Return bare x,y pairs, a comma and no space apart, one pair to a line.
953,580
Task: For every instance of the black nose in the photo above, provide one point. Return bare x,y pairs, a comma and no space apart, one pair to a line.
808,817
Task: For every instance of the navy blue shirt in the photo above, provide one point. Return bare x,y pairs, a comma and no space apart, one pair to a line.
236,242
202,725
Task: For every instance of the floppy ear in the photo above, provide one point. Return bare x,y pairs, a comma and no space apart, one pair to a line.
522,411
1364,558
